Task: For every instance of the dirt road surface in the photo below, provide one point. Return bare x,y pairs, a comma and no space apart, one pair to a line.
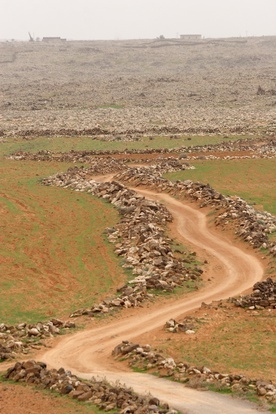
230,271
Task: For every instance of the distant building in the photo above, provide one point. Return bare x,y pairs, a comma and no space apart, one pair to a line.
53,39
191,37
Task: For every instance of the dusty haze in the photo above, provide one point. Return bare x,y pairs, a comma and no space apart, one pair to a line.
135,19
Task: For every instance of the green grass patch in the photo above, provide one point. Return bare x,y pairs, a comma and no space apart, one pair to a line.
112,106
12,208
188,286
140,370
53,255
65,144
251,179
218,388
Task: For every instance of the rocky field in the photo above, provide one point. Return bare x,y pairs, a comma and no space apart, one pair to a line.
107,96
144,86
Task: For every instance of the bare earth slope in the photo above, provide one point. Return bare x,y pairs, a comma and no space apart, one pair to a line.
88,353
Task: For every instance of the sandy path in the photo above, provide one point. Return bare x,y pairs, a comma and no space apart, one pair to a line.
87,353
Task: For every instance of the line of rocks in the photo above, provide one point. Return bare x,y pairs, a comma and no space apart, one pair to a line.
165,165
21,338
263,296
263,147
131,134
108,397
251,225
100,165
139,238
230,157
146,358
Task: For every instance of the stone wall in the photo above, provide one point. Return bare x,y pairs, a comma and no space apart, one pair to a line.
106,396
263,296
146,358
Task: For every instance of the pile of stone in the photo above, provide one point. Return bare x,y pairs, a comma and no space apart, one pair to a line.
263,296
139,239
128,297
251,225
187,325
146,358
108,397
21,338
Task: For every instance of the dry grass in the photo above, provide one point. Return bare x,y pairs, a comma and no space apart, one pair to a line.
228,339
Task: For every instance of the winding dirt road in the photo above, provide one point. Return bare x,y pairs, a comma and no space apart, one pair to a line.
230,270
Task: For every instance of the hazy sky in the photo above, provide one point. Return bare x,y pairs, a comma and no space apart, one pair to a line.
134,19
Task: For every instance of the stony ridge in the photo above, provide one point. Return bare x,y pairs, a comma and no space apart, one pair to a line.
146,358
98,392
262,147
